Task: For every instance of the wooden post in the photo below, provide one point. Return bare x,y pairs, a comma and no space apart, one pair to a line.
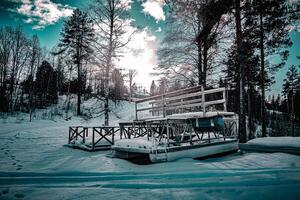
163,105
70,129
147,131
121,131
113,135
168,133
83,134
76,132
136,114
191,137
224,97
93,140
203,100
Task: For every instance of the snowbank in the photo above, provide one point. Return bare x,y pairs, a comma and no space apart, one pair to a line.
277,141
273,144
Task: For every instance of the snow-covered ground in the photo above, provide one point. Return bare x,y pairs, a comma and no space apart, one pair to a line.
36,164
273,144
277,141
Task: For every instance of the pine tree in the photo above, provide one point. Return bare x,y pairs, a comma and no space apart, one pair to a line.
274,19
76,38
46,84
117,88
291,90
153,88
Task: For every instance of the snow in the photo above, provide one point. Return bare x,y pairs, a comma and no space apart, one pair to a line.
277,141
189,115
35,163
135,143
199,115
273,144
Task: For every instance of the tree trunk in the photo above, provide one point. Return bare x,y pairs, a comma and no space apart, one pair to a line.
205,60
262,66
199,48
242,117
11,91
3,100
293,114
78,89
30,98
250,111
109,62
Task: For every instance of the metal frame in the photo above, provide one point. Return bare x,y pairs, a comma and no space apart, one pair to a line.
182,131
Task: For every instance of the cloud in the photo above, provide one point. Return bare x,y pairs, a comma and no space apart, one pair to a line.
291,28
158,30
155,9
43,12
126,4
141,55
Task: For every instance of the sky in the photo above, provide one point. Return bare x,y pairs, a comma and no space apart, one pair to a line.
45,19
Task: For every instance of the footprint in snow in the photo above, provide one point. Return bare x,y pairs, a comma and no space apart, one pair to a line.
19,167
4,191
19,195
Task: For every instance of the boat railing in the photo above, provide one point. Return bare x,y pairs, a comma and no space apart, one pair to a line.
194,98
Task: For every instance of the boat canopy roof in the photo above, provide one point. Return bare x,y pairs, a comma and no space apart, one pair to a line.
192,115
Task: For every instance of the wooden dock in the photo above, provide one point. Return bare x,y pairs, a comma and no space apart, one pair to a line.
101,137
160,107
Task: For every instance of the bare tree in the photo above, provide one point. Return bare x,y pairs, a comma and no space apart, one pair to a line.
34,61
5,53
189,50
20,55
110,19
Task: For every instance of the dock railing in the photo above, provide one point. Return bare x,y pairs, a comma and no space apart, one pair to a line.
193,98
100,137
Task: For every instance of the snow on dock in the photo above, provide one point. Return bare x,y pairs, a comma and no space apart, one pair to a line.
273,144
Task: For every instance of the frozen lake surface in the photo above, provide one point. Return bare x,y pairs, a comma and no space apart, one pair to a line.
35,164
